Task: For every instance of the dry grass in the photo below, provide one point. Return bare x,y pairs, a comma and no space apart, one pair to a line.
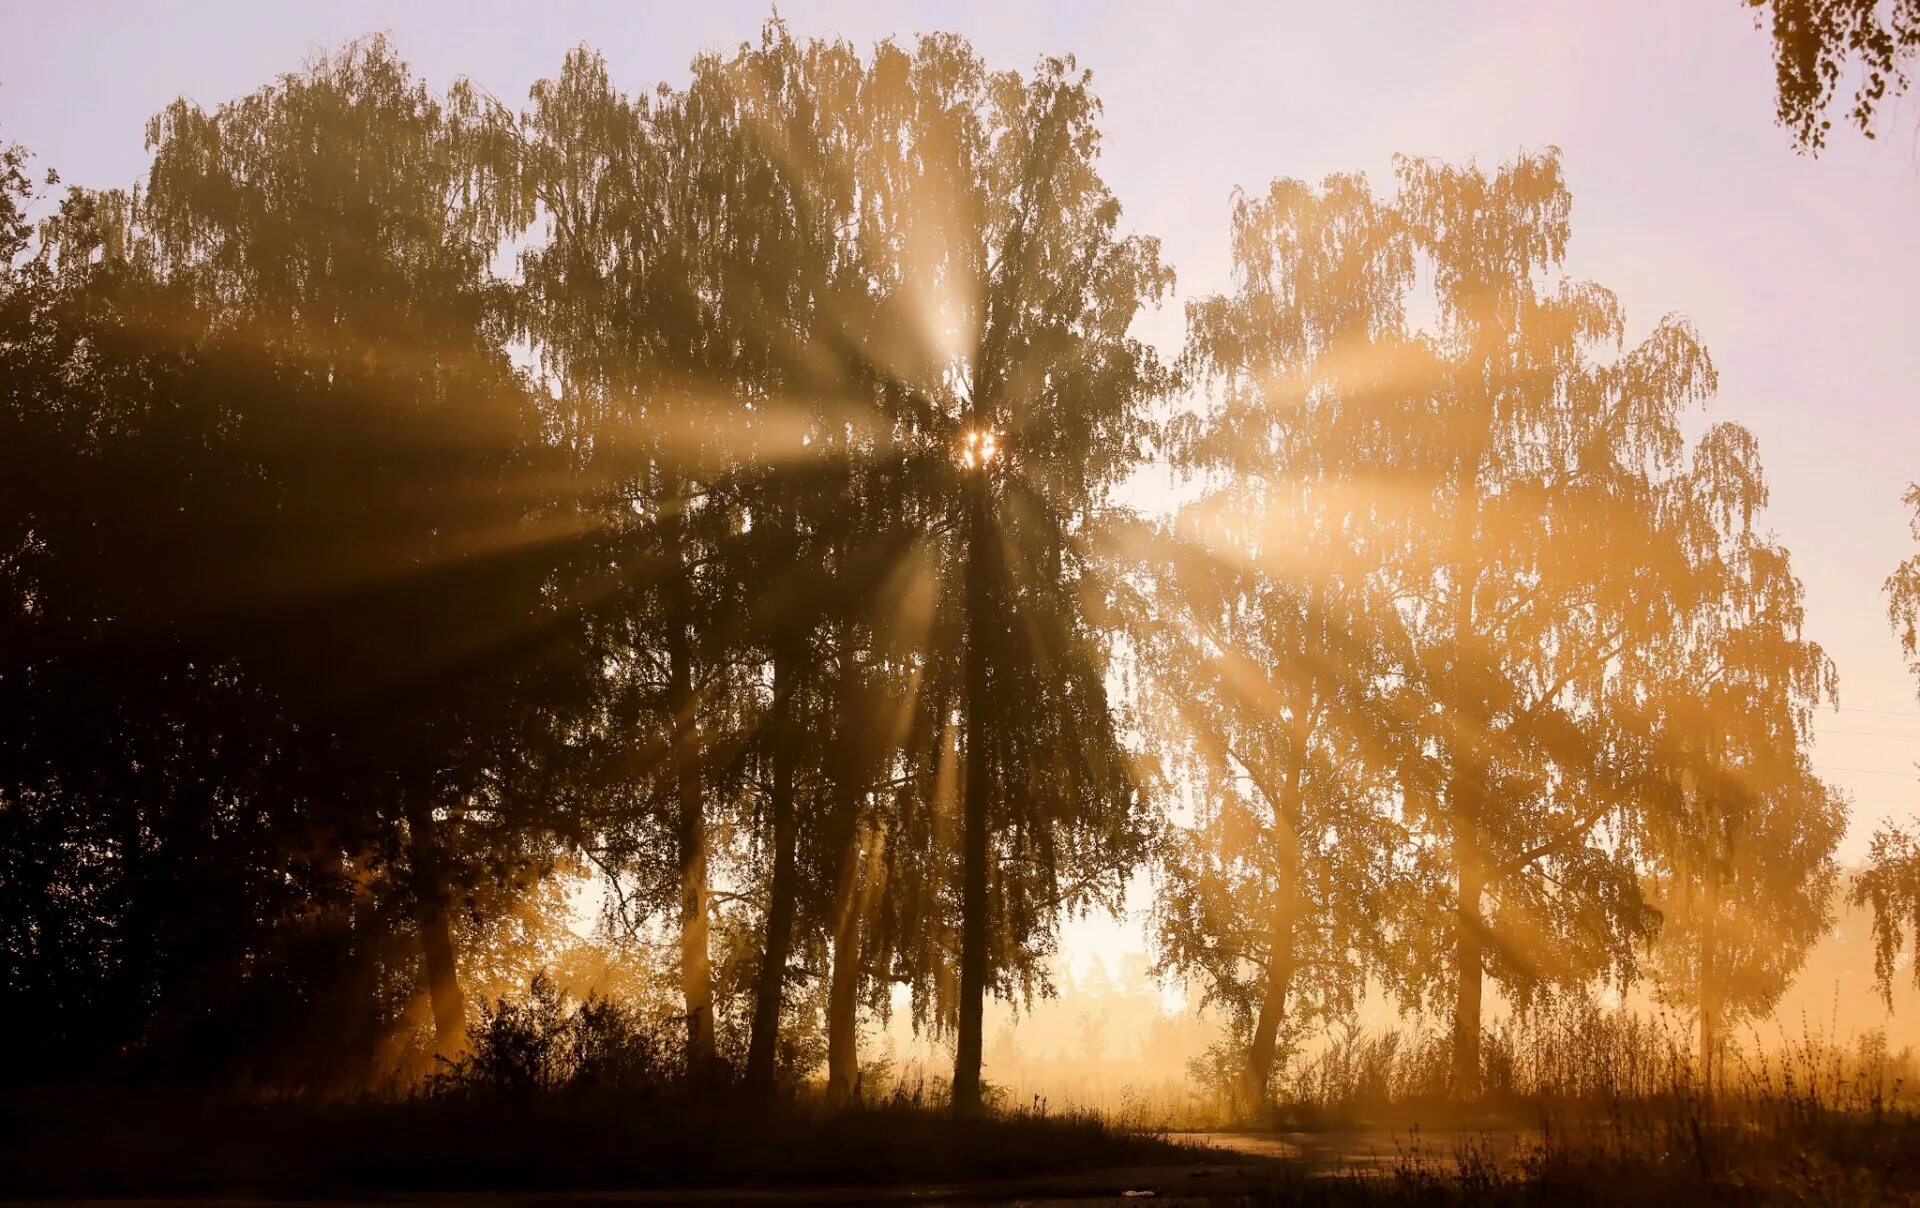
1586,1106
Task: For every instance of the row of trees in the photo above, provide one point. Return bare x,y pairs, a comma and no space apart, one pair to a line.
1483,672
355,585
405,498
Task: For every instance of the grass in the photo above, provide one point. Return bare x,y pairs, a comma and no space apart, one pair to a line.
1593,1107
1646,1159
147,1144
1582,1106
553,1095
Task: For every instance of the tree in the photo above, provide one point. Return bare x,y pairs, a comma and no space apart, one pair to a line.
315,487
1051,398
1538,568
808,273
1890,883
395,599
623,303
130,879
816,191
1741,853
1815,41
1268,640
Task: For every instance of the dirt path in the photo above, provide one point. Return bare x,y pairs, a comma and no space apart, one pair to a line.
1327,1152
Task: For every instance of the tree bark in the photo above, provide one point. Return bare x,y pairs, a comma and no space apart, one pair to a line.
1709,991
1273,1005
973,895
433,918
1464,794
1709,1010
769,993
1286,911
851,901
696,969
1469,946
843,992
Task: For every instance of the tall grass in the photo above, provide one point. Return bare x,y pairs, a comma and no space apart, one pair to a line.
553,1093
1573,1057
1590,1106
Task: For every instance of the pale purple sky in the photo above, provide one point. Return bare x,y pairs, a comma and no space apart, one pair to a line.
1687,198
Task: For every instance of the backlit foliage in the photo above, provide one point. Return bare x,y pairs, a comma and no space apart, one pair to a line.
421,514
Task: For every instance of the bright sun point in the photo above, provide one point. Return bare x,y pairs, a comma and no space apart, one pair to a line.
979,448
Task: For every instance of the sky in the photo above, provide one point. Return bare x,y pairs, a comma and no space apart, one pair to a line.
1688,198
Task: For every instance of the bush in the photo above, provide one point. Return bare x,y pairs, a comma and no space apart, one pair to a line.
544,1044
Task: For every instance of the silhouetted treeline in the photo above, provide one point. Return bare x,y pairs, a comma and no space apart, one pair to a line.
405,500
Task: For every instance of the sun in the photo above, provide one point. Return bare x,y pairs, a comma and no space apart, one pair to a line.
979,449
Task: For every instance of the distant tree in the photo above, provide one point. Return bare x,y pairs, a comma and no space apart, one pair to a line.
1741,853
1815,42
1539,568
1890,884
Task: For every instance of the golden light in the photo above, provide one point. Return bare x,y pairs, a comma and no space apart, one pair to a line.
979,449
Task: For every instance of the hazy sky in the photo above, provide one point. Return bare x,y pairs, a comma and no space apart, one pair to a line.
1687,198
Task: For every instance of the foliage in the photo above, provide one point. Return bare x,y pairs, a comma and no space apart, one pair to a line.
409,503
1272,656
1740,856
1816,41
540,1043
1416,637
1890,883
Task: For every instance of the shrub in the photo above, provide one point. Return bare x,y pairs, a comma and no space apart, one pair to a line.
542,1043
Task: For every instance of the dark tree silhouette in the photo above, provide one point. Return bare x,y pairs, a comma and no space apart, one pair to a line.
311,487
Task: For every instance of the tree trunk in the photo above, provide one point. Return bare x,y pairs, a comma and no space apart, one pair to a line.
1709,991
696,970
1286,910
433,917
973,895
1708,1021
1464,792
849,958
769,993
1273,1005
843,992
1469,944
